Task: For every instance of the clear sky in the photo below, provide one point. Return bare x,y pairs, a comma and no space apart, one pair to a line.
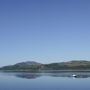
44,30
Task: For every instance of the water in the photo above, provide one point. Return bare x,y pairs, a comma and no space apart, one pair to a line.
54,80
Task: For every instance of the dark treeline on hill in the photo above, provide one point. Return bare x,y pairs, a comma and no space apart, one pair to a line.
31,65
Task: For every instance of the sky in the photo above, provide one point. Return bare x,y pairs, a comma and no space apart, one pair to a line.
44,31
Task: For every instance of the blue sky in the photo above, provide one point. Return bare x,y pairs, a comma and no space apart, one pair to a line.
44,30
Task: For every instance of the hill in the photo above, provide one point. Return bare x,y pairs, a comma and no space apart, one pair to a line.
31,65
27,63
22,66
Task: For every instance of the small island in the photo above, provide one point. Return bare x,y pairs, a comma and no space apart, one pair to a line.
35,66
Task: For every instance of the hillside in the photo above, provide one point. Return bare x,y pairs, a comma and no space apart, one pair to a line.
27,63
31,65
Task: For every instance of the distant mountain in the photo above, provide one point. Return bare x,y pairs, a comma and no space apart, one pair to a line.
22,66
31,65
74,63
27,63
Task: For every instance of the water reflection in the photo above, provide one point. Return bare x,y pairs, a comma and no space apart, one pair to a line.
66,74
27,76
70,76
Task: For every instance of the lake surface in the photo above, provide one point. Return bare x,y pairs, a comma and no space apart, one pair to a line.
54,80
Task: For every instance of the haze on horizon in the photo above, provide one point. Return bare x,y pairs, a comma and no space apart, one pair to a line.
44,30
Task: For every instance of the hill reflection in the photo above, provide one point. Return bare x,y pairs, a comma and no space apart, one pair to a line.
28,76
37,75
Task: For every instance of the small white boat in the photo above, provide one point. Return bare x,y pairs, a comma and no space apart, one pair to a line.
73,75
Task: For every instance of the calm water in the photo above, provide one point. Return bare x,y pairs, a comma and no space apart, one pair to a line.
44,81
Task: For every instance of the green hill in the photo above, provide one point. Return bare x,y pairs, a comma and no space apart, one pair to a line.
31,65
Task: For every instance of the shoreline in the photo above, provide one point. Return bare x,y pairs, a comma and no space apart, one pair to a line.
45,71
